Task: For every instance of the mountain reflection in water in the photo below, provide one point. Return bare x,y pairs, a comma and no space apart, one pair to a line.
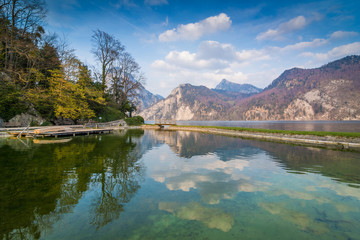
158,184
339,165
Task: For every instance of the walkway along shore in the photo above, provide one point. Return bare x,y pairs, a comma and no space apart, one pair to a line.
338,142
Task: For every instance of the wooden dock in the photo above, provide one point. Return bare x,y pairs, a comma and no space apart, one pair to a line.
60,132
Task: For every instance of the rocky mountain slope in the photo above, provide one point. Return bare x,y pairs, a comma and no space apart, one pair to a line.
188,102
330,92
146,99
235,87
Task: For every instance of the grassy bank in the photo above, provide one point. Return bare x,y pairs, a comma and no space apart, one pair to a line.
285,132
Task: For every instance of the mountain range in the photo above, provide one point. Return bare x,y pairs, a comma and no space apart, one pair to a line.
146,99
226,85
330,92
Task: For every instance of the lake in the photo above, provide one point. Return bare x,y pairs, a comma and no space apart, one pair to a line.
327,126
164,184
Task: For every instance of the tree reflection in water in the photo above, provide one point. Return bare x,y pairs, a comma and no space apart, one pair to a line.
118,182
42,183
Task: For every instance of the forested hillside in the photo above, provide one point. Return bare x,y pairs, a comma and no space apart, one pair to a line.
41,77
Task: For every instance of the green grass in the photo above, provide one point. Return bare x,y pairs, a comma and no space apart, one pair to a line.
285,132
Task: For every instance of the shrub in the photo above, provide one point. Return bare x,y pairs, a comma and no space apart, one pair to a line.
110,114
33,123
46,123
134,121
11,103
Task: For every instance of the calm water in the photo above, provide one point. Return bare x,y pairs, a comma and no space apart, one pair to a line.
176,185
328,126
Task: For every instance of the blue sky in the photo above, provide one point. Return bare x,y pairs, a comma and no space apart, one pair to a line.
202,42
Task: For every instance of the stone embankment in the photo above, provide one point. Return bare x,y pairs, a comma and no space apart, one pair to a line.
312,140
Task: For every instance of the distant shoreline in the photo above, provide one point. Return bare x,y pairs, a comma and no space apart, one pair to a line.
338,140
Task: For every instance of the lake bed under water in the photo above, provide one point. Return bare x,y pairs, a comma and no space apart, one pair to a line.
176,185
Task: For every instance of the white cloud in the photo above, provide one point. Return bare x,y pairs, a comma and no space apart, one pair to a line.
164,66
302,45
343,34
228,53
214,55
289,26
169,76
252,55
194,31
156,2
307,54
189,60
318,42
337,52
212,62
213,49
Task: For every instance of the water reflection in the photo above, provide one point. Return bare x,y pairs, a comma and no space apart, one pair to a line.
163,184
211,217
328,126
189,144
339,165
312,203
213,178
39,185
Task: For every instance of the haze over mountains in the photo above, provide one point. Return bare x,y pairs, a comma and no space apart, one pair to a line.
330,92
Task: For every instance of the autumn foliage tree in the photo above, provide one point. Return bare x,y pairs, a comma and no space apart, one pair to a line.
72,100
40,74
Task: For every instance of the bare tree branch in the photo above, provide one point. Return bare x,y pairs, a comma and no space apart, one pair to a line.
106,49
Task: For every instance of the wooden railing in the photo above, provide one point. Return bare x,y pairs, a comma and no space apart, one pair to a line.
165,122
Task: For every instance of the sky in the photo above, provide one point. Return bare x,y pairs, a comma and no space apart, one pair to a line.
203,42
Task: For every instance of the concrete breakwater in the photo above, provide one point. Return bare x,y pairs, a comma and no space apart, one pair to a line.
312,140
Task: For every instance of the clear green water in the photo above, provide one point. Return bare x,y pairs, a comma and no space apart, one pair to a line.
176,185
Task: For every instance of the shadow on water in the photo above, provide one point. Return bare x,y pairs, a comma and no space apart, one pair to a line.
42,183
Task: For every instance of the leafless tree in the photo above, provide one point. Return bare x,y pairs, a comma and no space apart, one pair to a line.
25,19
25,15
107,49
126,79
69,62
